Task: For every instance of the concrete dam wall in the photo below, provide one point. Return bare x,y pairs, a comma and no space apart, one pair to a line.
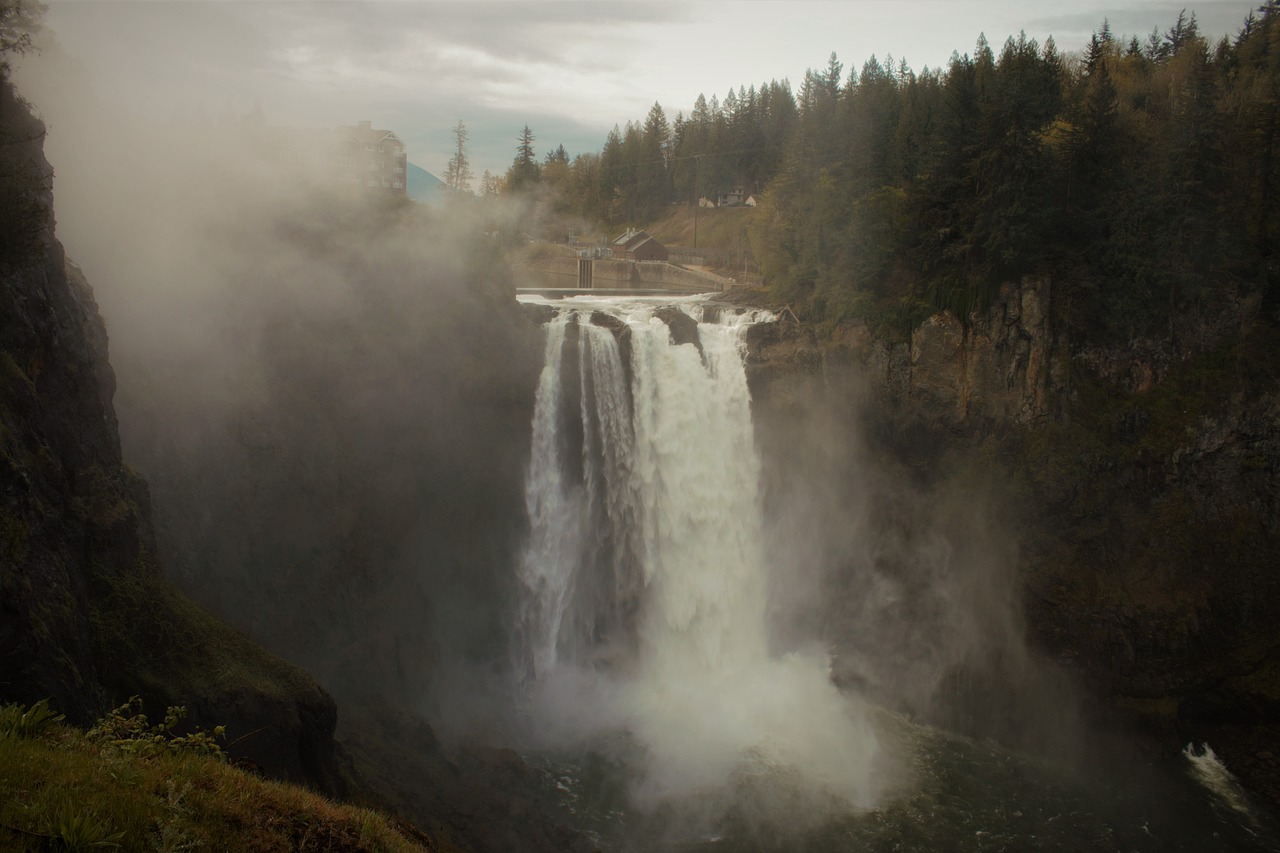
612,274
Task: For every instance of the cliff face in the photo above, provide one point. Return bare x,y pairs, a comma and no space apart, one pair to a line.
1140,483
1004,366
85,618
69,505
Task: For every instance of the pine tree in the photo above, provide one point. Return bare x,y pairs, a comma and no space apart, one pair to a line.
524,168
611,176
653,184
558,155
457,175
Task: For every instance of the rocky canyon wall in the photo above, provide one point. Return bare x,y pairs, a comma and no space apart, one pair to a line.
1137,483
86,620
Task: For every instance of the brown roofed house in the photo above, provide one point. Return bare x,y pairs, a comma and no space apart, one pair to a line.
636,245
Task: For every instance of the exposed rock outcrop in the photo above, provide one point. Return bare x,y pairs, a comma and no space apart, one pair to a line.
684,329
1005,365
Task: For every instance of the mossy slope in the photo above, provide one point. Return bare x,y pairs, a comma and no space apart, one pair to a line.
63,789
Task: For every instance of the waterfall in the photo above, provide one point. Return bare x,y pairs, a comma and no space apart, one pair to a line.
644,582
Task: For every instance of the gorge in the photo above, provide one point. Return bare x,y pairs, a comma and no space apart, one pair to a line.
738,465
962,664
629,574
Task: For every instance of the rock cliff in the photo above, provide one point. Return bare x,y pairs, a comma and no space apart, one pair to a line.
1006,365
1138,481
85,618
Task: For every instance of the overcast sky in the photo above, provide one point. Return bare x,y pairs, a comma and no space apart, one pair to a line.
570,70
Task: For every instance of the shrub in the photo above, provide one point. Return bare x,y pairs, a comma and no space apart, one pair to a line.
126,729
19,721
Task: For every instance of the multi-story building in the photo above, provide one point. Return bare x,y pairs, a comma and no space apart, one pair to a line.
353,155
372,158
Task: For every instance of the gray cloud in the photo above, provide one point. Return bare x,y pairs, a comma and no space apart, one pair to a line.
1214,19
414,67
516,32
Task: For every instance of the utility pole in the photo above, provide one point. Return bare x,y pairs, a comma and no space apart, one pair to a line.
697,200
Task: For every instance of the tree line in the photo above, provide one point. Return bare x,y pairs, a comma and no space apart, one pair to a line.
1140,172
647,165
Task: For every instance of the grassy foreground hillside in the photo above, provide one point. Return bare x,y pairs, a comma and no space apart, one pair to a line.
125,785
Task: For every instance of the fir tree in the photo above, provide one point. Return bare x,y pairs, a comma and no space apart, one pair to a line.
524,168
457,175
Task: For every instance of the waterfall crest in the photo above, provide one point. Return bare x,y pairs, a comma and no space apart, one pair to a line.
644,583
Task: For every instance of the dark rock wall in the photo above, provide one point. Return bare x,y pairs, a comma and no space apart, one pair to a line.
1139,482
1004,366
85,619
69,507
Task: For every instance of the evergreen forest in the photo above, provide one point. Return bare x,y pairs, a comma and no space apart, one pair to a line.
1140,172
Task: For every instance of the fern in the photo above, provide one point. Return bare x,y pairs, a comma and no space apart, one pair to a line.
19,721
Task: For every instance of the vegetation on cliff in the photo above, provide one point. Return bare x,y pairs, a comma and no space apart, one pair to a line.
1140,172
25,178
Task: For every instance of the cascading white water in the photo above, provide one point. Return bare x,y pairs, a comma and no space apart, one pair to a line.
644,581
576,567
556,509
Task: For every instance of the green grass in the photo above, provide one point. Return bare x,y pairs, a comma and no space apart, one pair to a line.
61,789
534,252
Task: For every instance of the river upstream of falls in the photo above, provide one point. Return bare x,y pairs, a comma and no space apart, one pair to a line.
650,694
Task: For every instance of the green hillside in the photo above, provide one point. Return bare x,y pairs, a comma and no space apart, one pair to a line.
127,785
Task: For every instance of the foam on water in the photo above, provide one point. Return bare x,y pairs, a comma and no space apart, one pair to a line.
1209,771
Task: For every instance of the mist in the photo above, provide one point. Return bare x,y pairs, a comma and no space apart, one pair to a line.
329,394
907,574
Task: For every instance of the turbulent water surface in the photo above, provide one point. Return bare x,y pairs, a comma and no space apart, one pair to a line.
651,694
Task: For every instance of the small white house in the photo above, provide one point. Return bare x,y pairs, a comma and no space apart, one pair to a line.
732,197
